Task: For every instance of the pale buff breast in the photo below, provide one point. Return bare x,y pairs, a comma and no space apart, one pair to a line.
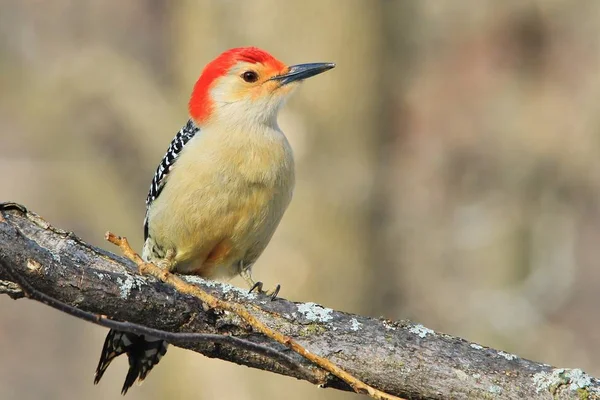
223,204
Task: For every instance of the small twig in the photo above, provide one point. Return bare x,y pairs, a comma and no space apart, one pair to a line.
102,320
240,311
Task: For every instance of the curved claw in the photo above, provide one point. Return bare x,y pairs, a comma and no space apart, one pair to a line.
275,292
258,286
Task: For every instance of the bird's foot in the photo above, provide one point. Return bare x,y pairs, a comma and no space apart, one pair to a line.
258,286
167,263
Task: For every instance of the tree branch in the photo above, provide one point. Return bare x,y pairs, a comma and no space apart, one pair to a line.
400,358
242,311
30,292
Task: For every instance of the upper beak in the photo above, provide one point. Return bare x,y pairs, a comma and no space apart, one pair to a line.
302,71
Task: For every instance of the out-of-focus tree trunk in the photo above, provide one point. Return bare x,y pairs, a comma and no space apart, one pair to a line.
385,246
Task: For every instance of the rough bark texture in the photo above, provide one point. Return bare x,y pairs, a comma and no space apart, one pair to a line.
401,358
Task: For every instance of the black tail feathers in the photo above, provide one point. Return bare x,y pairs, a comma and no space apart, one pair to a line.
144,352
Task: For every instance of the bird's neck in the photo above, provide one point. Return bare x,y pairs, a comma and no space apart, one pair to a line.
257,115
245,130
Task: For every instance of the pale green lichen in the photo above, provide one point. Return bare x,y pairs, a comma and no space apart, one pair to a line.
508,356
315,312
575,379
420,330
495,389
126,285
224,287
199,281
354,324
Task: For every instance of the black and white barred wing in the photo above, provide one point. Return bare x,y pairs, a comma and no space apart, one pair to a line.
162,172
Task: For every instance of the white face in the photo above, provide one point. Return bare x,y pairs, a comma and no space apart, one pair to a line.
247,92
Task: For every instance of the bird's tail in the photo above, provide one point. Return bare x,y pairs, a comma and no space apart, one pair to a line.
144,352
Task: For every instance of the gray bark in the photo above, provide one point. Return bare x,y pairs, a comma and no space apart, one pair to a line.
398,357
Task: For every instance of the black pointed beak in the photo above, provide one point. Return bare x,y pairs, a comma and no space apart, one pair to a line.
302,71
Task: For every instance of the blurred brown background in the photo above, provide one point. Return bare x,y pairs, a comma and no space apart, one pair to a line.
448,168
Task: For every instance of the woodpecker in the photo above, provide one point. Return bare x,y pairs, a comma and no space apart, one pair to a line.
222,187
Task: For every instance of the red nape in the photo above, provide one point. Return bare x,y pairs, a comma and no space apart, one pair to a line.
200,106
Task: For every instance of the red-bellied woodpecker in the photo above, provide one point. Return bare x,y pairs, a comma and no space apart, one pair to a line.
223,186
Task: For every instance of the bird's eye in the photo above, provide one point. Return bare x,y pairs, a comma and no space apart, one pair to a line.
250,76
